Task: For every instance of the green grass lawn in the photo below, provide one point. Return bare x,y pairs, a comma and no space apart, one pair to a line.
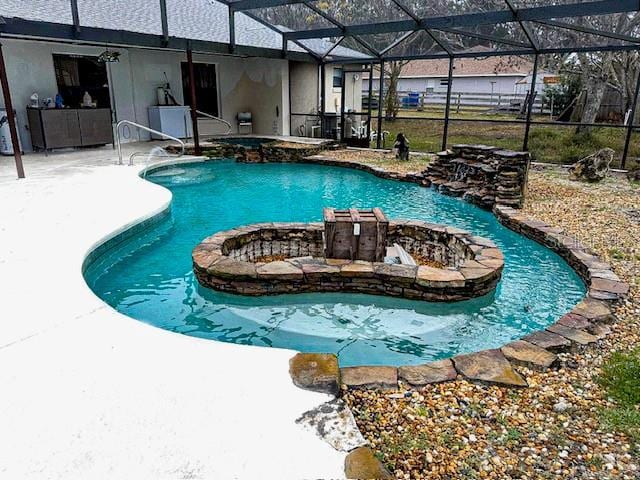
620,377
547,143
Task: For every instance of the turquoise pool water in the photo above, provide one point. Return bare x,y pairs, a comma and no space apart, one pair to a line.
149,277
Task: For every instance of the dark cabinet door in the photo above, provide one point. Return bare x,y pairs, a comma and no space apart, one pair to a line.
35,127
61,128
95,126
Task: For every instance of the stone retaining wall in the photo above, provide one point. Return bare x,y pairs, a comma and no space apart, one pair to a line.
229,261
288,152
210,149
269,151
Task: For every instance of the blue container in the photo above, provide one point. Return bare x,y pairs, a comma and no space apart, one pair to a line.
411,100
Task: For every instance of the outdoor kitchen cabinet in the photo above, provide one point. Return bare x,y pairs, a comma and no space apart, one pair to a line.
69,127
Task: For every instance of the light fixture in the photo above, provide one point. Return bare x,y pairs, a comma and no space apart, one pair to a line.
109,56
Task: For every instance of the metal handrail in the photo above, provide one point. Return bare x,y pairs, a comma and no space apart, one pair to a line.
208,115
146,129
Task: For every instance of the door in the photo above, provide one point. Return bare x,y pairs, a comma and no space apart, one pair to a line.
206,85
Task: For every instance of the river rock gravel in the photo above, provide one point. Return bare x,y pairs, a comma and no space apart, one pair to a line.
553,429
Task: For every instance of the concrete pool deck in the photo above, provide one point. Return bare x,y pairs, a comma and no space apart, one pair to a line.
89,393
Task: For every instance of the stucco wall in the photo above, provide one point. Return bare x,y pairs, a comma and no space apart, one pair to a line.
30,69
245,84
333,94
304,96
353,88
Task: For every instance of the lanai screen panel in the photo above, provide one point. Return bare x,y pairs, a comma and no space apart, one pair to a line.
457,27
55,11
129,15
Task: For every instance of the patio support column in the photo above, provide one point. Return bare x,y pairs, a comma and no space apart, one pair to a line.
4,83
75,17
380,101
232,29
369,104
532,94
342,100
164,21
322,99
447,107
632,116
194,108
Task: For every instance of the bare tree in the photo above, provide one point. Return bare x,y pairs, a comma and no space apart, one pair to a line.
599,71
393,70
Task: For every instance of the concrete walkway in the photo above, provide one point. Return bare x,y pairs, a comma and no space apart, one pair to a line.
88,393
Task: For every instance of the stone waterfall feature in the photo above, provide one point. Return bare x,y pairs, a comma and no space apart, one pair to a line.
481,174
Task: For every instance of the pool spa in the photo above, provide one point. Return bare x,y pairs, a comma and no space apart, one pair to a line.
149,275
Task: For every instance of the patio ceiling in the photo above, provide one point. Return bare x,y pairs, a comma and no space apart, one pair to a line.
411,29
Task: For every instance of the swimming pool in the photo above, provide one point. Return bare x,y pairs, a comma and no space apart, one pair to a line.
149,277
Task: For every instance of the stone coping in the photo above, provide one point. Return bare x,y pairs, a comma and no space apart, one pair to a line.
230,261
582,327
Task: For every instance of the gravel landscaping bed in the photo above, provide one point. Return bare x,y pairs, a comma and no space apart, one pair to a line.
384,159
557,428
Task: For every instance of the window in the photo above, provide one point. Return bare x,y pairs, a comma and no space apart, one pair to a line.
206,87
338,73
444,82
77,74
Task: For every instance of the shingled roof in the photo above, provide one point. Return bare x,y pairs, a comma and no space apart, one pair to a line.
470,67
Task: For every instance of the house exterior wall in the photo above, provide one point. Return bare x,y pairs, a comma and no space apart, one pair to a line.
504,84
258,85
305,97
333,94
472,84
353,86
30,69
524,85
